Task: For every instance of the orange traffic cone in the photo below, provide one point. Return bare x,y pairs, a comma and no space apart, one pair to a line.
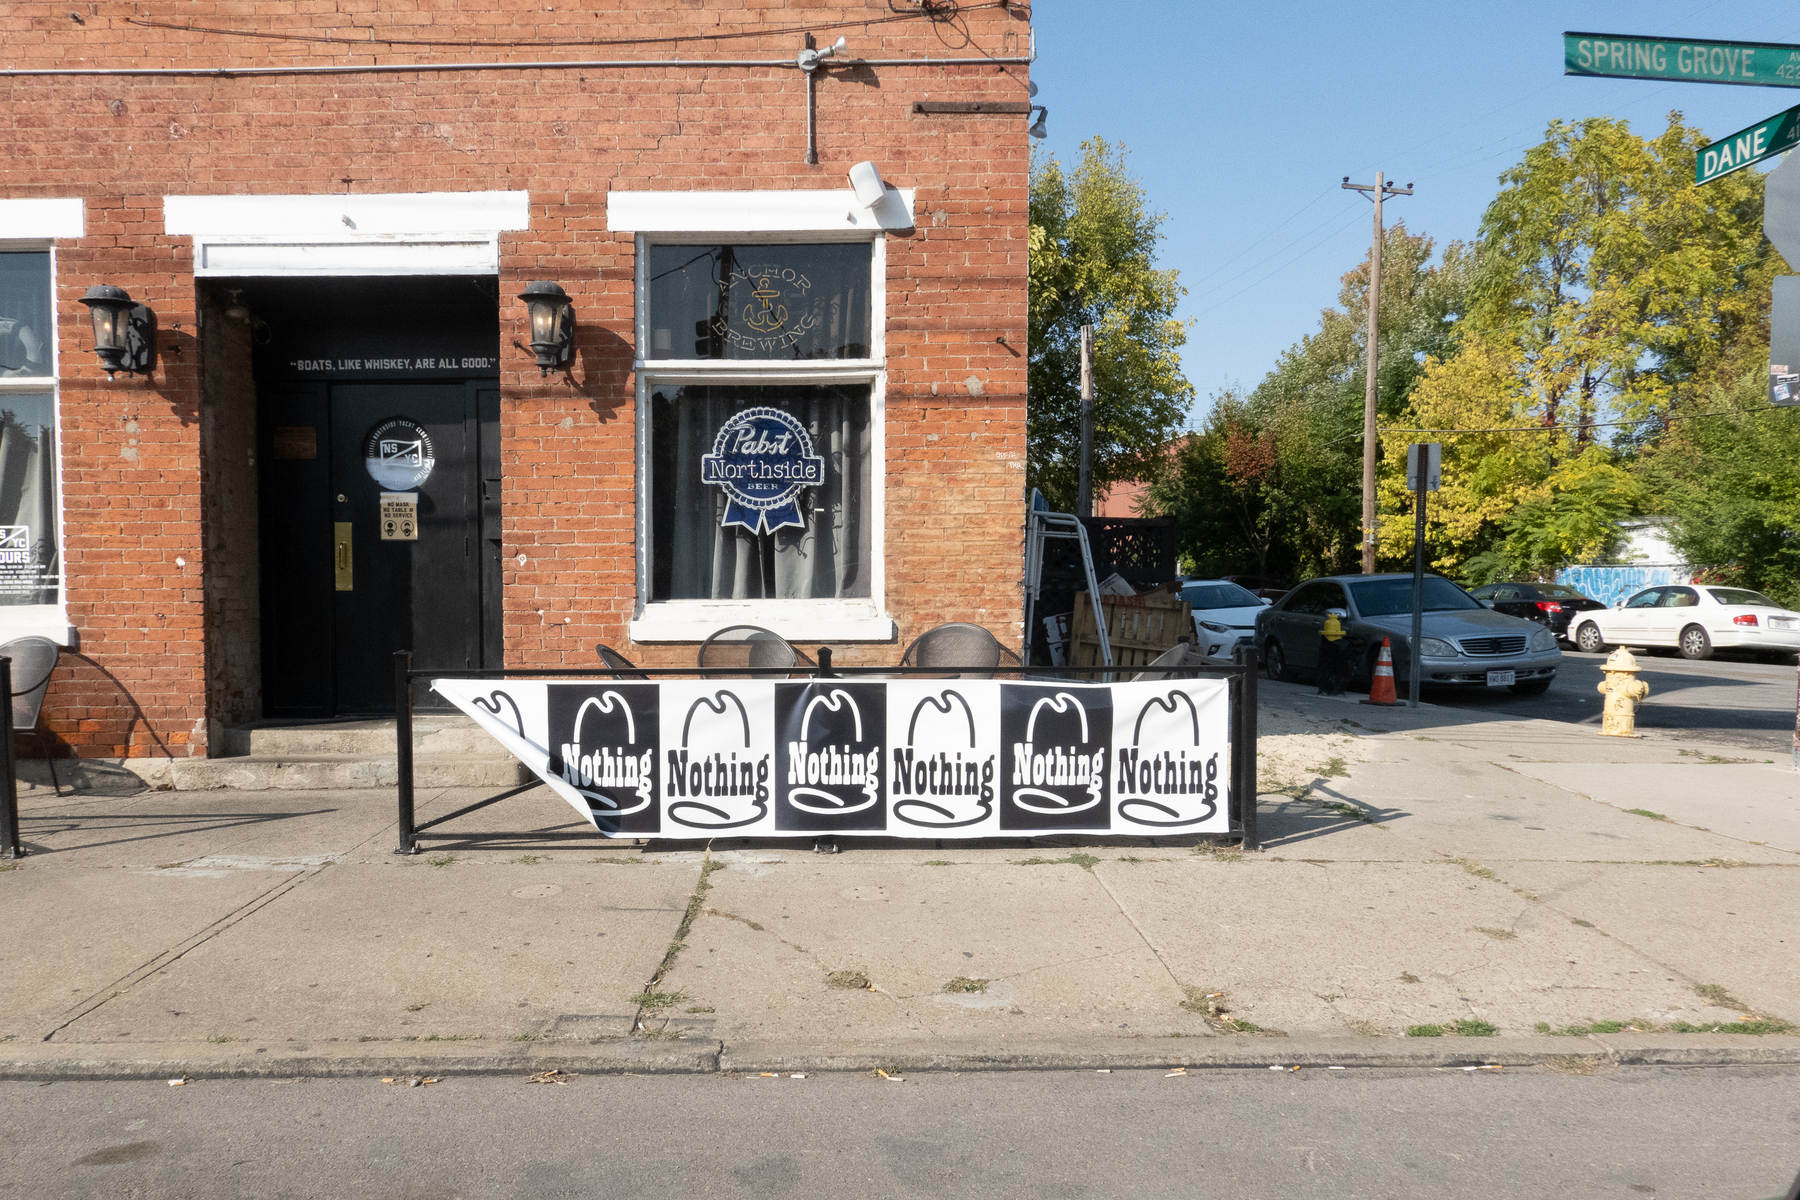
1381,685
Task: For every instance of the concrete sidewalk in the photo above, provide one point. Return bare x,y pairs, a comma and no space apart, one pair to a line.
1579,896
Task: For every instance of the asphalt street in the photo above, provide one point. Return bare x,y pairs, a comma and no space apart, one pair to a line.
1724,1133
1734,700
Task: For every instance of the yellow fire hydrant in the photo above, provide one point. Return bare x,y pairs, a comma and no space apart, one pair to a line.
1624,691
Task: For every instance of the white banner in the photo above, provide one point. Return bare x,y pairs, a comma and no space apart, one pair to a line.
915,758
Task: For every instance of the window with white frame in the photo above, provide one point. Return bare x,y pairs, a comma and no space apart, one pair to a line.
30,562
760,441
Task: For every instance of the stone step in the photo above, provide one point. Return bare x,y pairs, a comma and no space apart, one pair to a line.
257,773
435,736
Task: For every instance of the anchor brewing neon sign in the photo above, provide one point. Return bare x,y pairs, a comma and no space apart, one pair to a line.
764,322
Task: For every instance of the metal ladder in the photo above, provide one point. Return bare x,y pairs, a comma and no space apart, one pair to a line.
1041,523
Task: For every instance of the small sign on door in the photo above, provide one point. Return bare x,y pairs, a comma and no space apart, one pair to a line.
399,516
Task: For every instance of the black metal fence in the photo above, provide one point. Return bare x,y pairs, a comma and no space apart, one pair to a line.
10,845
1241,674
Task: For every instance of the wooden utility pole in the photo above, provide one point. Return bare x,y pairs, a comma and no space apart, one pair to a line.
1084,495
1374,191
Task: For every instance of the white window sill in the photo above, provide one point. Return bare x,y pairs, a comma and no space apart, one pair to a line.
808,621
30,620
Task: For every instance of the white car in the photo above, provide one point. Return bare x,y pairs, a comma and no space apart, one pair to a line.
1693,618
1224,614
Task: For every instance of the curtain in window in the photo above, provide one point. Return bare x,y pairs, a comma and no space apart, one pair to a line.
25,313
697,558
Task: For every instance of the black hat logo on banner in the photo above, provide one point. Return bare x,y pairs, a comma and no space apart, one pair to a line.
938,782
491,703
831,764
715,787
1056,746
1164,781
604,743
1069,769
829,743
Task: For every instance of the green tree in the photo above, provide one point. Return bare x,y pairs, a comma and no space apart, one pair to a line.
1623,286
1308,412
1731,486
1093,249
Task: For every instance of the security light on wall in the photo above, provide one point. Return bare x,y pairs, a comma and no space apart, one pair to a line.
552,324
1037,130
810,58
124,330
865,180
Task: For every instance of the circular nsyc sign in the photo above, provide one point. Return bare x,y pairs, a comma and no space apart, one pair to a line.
398,454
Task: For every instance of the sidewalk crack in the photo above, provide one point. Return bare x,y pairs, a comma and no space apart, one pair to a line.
174,954
1138,929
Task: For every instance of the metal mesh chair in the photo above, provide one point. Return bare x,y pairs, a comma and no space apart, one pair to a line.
33,662
621,667
958,646
751,646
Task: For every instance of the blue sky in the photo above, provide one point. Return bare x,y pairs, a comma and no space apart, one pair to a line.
1241,120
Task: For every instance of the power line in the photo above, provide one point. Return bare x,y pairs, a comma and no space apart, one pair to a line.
523,42
1344,221
1265,237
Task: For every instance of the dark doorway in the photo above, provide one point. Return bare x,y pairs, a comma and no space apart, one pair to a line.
378,453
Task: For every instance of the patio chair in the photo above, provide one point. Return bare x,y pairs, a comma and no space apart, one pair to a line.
751,646
620,666
33,662
958,647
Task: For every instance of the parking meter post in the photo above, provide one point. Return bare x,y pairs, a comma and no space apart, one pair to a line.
403,750
10,845
1413,653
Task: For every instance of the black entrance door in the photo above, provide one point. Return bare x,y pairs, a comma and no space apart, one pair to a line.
339,597
423,594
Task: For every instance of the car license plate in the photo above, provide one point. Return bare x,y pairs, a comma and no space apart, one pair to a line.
1781,623
1500,678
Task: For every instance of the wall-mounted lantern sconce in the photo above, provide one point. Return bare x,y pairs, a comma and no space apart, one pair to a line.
124,330
552,323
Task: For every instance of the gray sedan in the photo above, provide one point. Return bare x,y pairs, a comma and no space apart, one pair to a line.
1464,643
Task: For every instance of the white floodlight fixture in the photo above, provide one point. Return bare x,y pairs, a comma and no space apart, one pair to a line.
810,59
865,180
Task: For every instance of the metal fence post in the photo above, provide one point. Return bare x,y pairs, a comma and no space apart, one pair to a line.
1243,740
403,749
10,845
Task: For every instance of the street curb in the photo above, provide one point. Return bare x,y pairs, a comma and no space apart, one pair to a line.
1251,1052
184,1061
707,1057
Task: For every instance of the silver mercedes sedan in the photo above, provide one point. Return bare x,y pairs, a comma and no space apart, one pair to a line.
1464,643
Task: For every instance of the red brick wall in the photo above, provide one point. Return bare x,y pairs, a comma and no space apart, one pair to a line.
131,448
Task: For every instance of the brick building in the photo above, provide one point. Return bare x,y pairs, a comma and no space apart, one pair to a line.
344,443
